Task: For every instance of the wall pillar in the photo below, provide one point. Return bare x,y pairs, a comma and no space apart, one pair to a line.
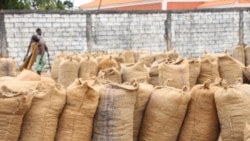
3,39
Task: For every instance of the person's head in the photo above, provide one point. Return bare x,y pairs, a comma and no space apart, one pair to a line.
35,38
39,31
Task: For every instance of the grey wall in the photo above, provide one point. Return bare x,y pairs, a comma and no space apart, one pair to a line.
188,32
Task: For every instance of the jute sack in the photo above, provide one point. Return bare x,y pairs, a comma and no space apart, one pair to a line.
246,74
232,103
76,120
40,121
76,57
201,122
107,62
47,80
247,132
114,117
13,105
55,66
28,75
209,70
138,53
68,72
101,57
147,58
7,67
119,58
111,74
172,55
230,69
88,66
247,55
164,114
16,85
160,56
142,97
7,78
178,72
128,56
137,71
154,72
194,71
238,53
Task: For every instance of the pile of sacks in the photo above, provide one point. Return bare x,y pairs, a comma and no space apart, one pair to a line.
97,109
144,97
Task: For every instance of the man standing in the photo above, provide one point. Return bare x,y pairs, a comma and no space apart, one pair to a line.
37,53
41,57
39,35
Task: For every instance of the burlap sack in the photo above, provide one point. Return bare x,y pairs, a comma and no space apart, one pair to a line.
246,74
76,57
7,78
7,67
247,132
164,114
107,62
101,57
137,71
247,55
178,73
160,56
76,120
40,121
138,53
142,98
88,67
111,74
230,69
55,66
128,56
194,71
47,80
114,117
201,122
14,105
172,55
209,70
118,58
233,106
147,58
154,72
28,75
238,53
68,72
16,85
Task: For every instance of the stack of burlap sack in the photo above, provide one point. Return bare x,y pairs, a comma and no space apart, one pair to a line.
130,96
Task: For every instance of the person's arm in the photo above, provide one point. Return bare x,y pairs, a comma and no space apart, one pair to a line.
47,50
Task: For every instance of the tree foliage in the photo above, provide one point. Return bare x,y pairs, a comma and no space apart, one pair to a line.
35,4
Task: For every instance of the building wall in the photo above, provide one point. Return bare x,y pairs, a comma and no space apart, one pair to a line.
183,5
154,6
189,32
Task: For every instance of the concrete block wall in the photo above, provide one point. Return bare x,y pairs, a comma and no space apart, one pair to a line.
62,32
193,33
189,32
126,31
246,25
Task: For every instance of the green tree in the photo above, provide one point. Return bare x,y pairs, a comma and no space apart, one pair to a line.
14,4
36,4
